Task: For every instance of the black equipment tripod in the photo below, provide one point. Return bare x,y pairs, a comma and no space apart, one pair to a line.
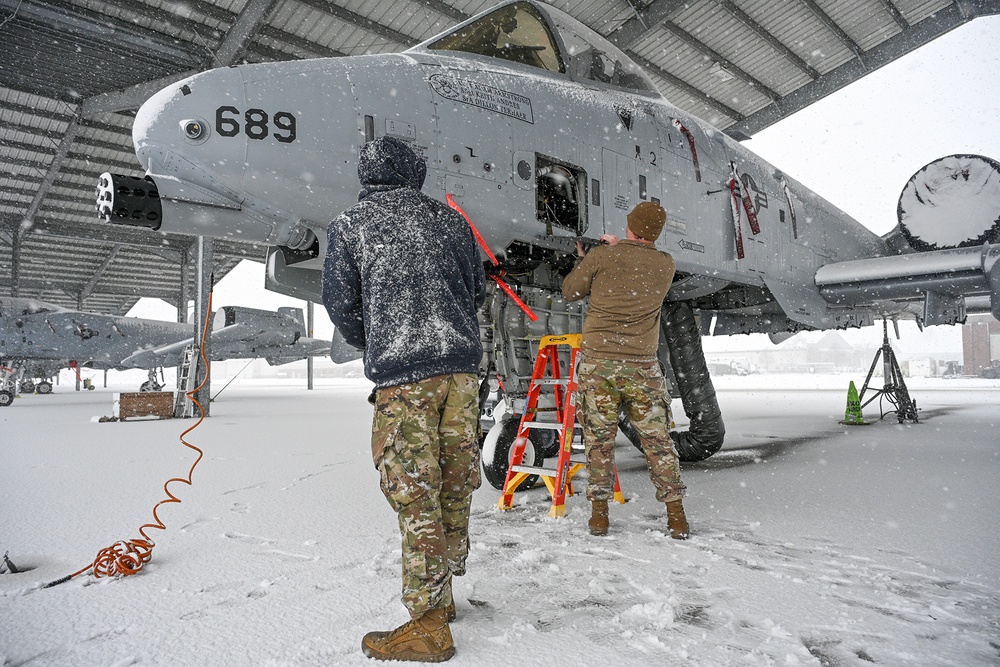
894,391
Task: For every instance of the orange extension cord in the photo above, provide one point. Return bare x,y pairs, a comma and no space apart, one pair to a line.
127,557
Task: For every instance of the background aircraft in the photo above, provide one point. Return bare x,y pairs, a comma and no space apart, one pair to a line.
543,131
37,339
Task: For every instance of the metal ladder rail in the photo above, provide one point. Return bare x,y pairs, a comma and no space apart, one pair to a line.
183,406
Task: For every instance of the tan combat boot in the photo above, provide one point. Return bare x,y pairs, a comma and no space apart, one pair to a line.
424,639
599,518
450,613
676,520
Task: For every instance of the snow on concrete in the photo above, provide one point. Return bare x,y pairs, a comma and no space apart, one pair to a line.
813,543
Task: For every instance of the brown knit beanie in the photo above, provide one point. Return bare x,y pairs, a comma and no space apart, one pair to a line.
646,220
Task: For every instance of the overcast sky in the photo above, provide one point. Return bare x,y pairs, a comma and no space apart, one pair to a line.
856,147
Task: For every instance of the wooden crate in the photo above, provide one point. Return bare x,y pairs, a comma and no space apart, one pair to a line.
146,404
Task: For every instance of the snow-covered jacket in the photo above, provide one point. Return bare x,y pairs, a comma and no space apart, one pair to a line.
402,278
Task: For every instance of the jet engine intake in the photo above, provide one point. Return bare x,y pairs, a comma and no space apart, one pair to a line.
953,202
127,200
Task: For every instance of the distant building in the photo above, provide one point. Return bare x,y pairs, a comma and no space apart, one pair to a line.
980,344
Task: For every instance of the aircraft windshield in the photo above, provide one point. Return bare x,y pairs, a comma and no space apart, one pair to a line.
517,33
595,58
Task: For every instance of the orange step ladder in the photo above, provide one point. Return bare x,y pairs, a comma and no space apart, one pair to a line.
546,373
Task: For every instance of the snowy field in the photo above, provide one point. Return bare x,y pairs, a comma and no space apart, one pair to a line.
813,543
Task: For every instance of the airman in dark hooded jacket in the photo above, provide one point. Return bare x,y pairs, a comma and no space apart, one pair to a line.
403,280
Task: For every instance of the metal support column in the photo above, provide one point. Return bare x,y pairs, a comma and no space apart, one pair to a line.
204,279
309,333
184,296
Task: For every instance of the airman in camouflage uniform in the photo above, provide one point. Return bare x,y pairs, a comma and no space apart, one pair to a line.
403,281
604,385
627,282
423,438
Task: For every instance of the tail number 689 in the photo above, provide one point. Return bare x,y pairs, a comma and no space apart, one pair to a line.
256,124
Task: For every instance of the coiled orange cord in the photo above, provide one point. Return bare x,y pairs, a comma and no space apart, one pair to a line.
127,557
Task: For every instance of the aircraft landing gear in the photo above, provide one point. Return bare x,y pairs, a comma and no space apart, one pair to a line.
894,390
151,384
6,398
497,452
27,386
43,387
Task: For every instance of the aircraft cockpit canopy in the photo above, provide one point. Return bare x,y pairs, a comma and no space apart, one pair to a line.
524,33
26,307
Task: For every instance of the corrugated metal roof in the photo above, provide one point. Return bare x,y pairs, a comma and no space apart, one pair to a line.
722,60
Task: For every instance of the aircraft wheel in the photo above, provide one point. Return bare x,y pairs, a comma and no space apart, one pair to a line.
149,386
43,387
6,398
497,453
27,387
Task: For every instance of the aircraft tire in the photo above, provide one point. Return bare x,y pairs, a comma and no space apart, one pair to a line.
43,388
629,431
6,398
27,387
149,386
497,452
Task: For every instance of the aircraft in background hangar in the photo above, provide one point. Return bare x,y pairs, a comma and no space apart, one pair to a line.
543,132
37,339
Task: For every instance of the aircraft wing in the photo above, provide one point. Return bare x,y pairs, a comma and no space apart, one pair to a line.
165,355
300,349
941,285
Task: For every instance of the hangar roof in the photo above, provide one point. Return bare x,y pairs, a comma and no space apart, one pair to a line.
73,72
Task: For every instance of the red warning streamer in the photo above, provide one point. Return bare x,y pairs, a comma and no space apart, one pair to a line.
694,152
735,200
482,244
747,201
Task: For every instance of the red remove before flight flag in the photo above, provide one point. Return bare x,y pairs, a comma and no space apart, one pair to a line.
482,244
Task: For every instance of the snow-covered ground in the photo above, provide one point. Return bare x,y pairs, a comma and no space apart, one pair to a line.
814,543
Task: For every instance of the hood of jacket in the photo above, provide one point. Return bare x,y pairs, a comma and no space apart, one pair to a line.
388,163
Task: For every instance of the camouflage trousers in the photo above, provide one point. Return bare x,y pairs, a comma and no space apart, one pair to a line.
606,385
425,444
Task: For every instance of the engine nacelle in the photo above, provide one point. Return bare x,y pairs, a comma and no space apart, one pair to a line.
953,202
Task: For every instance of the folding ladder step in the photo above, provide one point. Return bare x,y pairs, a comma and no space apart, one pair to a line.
536,470
552,381
556,426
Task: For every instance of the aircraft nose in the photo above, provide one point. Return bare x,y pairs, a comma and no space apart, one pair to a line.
192,131
183,115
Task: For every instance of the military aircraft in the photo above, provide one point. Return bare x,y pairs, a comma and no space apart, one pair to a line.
543,132
38,338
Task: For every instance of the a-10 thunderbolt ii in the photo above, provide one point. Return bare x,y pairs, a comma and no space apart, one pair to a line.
38,338
543,132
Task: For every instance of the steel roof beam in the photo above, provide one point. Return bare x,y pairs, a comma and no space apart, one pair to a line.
88,289
242,31
773,41
61,155
686,87
7,105
735,70
131,97
891,49
444,9
896,15
832,26
294,40
66,17
367,24
656,12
